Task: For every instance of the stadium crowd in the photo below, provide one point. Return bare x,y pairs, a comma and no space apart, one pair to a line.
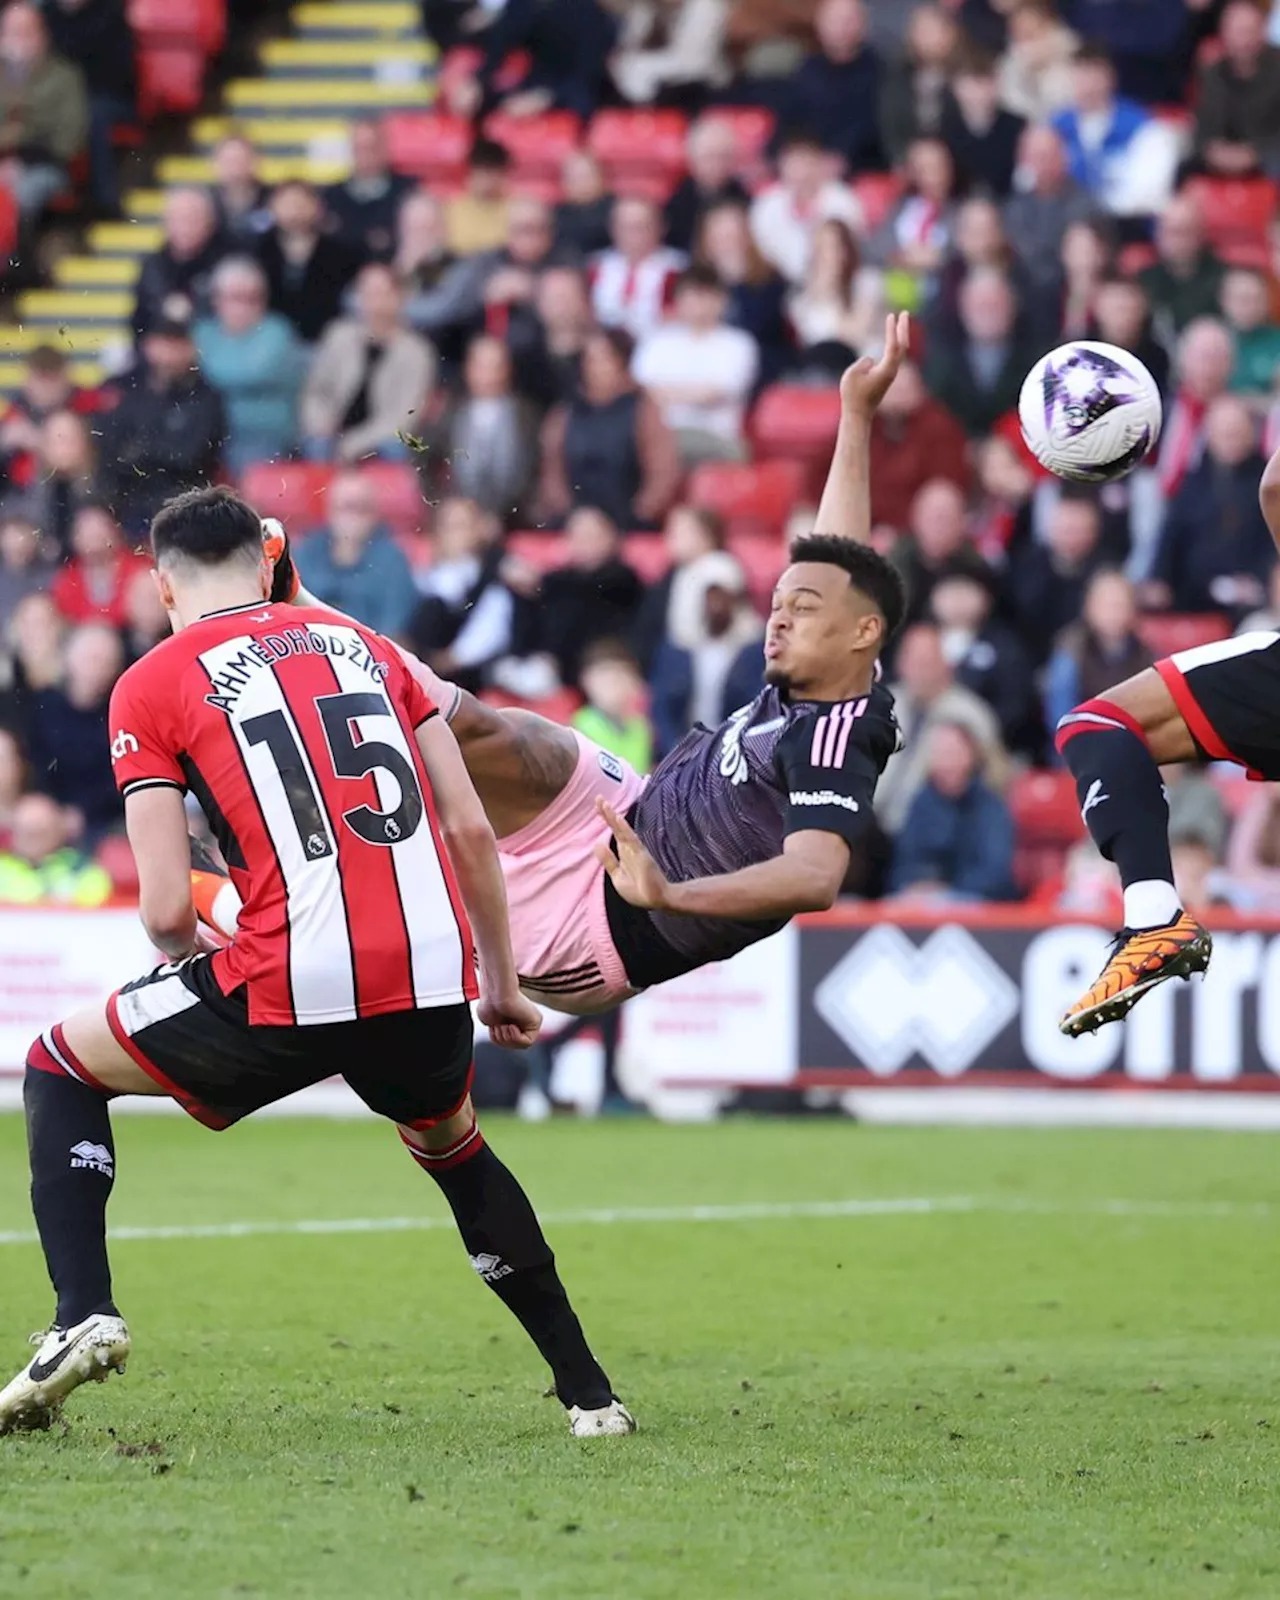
553,437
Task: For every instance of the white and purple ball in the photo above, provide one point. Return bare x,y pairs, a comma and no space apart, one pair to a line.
1090,411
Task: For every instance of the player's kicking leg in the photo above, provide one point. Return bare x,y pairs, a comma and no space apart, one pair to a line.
1115,746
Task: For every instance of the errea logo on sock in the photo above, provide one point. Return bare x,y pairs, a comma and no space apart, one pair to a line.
490,1268
93,1157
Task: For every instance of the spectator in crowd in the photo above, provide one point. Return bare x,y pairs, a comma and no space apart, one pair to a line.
915,235
422,255
488,438
1047,581
672,606
353,564
1149,44
46,387
35,636
756,292
593,595
1246,306
13,782
39,864
549,369
1205,359
668,47
1086,260
1045,202
476,219
94,35
839,309
252,357
1253,854
979,240
785,215
719,666
979,374
25,563
166,433
917,87
836,89
1238,100
609,447
1266,619
173,285
1003,511
632,282
495,291
913,439
468,618
567,44
1036,70
699,372
65,477
712,180
614,715
241,201
1185,281
93,585
307,269
146,622
956,842
985,655
1122,315
44,110
1099,650
370,380
938,543
1115,149
582,215
363,209
67,735
925,694
1216,550
981,134
1196,809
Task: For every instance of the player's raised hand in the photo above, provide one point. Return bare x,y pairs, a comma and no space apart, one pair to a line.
866,382
513,1022
636,875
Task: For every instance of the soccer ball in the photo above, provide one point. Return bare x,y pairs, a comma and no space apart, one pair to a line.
1089,411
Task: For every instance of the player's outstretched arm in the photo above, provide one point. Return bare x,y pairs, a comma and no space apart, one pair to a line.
806,877
156,821
513,1021
1269,496
845,507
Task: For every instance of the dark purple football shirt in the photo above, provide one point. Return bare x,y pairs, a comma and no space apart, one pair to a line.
727,798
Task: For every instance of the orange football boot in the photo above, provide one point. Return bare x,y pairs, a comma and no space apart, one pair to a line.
1139,960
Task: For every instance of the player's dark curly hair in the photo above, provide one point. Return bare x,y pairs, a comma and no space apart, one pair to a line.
868,571
207,526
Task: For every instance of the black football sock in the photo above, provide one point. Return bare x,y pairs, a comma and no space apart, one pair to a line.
73,1165
506,1245
1123,804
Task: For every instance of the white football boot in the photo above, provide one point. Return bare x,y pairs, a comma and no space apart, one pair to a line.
611,1419
67,1357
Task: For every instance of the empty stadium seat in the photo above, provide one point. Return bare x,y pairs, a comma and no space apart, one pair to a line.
752,129
751,497
1165,633
558,706
537,145
200,23
650,142
797,422
876,193
1237,214
763,558
294,491
646,553
1045,809
170,80
428,144
8,222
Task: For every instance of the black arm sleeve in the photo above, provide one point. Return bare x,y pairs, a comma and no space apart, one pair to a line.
829,764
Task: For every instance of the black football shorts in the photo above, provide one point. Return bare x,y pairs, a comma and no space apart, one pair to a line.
200,1047
1229,697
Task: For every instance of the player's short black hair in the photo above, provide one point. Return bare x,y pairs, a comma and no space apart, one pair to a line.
868,571
207,526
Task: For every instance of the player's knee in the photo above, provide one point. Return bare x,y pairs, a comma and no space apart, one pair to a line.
50,1057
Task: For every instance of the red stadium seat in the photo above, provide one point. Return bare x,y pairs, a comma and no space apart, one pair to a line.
465,61
202,23
543,548
401,503
428,144
797,422
751,498
752,129
1165,633
170,79
1238,213
762,558
537,145
8,223
650,142
646,553
876,193
539,547
1045,809
294,491
556,707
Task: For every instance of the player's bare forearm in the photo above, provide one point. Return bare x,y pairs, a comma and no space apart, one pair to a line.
475,860
782,887
157,826
1269,496
845,507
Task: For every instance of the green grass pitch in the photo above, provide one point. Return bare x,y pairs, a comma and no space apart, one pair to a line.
1021,1390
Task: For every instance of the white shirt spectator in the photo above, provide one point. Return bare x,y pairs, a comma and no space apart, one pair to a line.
783,230
719,361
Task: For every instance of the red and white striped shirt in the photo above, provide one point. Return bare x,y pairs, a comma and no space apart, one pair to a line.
634,296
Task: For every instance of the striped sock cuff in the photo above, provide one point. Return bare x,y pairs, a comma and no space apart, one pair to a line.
51,1053
470,1144
1096,716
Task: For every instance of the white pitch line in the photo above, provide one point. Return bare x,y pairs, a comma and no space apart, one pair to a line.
750,1211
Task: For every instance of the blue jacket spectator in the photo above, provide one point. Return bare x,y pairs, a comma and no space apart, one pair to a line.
354,564
253,358
957,840
1099,127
